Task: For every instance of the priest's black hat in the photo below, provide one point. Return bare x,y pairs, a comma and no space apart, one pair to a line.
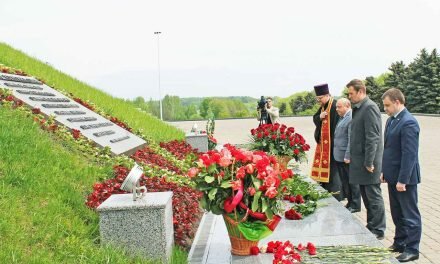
321,89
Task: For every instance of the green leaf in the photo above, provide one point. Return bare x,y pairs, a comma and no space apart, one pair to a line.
226,184
257,183
269,213
212,168
209,179
255,201
204,203
263,204
212,193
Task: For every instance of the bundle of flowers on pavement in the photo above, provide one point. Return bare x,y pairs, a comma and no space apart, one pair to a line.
304,195
245,187
279,140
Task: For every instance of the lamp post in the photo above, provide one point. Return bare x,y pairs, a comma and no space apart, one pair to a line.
158,74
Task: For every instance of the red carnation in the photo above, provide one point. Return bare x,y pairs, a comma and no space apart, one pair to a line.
255,250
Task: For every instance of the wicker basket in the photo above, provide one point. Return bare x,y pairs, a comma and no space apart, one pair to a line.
239,244
282,161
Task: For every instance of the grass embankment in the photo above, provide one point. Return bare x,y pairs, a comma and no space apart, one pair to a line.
43,185
150,125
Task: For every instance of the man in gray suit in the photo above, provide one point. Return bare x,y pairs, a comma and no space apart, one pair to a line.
341,152
366,150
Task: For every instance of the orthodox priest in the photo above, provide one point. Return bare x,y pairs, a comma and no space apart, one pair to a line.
324,168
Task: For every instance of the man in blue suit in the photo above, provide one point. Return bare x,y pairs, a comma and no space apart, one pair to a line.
401,170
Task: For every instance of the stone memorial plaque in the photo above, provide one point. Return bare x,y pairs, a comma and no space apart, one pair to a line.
23,86
70,112
60,105
115,140
82,119
49,99
96,125
104,133
35,93
16,78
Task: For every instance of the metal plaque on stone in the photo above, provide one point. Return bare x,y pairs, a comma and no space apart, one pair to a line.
104,133
12,78
23,86
106,124
49,99
35,93
115,140
82,119
70,112
60,105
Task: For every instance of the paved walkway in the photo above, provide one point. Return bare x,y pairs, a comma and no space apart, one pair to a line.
237,132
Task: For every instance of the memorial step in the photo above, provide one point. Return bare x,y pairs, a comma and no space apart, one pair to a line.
60,105
104,133
98,125
23,86
35,93
70,112
19,79
82,119
49,99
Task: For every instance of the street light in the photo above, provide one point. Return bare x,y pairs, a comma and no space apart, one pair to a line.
158,73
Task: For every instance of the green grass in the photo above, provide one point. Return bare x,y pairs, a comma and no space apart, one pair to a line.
43,186
151,126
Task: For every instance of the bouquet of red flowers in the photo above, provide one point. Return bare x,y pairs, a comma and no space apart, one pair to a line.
244,185
279,140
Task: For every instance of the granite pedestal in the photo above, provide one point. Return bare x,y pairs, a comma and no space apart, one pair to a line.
197,141
143,227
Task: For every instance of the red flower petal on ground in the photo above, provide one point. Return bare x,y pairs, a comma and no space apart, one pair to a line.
255,250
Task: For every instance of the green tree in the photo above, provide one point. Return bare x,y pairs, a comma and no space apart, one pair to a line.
397,77
422,83
374,91
283,108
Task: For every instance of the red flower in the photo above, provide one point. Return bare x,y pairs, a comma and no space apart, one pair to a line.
36,111
311,248
292,215
193,172
301,247
271,192
255,250
241,173
250,168
299,199
296,151
251,191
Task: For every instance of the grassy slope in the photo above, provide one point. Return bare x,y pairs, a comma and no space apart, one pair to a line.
43,218
125,111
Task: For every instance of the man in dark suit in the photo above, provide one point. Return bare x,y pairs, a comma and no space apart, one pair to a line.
401,170
366,155
341,152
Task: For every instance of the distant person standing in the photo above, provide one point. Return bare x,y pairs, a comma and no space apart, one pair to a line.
324,168
366,151
266,112
401,170
341,152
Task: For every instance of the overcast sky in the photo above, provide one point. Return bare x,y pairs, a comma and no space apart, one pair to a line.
220,48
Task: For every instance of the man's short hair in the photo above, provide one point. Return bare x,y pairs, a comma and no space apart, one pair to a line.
394,94
358,85
344,101
269,98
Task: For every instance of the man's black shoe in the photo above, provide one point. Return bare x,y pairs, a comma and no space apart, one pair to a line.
395,248
406,256
353,210
380,236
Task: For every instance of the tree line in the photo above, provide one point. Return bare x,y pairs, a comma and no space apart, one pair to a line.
419,81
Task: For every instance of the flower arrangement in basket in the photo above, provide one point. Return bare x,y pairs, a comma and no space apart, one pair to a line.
246,187
281,141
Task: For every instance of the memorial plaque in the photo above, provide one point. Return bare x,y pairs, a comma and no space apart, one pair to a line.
49,99
19,79
96,125
115,140
104,133
23,86
70,113
82,119
60,105
35,93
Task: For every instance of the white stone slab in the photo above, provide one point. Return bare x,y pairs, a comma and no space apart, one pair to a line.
126,146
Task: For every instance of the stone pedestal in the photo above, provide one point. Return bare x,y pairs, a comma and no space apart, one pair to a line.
197,141
143,227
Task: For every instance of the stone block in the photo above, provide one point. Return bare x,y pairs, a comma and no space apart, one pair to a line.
197,141
142,228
